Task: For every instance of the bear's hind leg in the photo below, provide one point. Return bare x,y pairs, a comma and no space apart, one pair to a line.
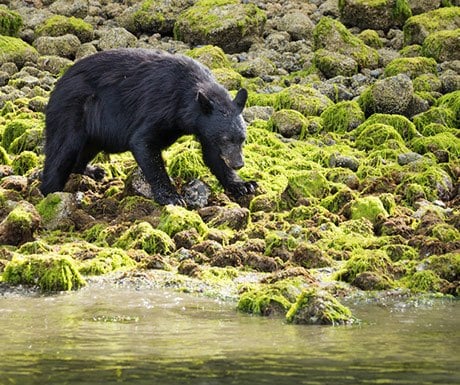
59,163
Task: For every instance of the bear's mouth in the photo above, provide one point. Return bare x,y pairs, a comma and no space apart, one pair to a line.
233,164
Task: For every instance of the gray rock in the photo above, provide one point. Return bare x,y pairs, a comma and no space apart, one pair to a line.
422,6
297,24
337,160
408,157
333,64
257,112
63,46
450,81
391,95
77,8
116,38
196,194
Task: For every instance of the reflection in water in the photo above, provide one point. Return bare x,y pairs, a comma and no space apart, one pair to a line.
121,335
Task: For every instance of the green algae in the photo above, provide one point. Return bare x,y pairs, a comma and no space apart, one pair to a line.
59,25
49,206
4,158
106,261
441,115
289,123
10,22
444,141
50,273
411,66
30,140
342,117
175,218
279,239
270,299
305,184
445,232
369,207
398,252
423,281
452,102
427,83
17,127
376,135
24,162
143,236
446,266
315,306
34,247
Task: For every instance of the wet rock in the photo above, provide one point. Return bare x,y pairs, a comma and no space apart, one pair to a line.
231,25
371,281
443,45
314,306
311,256
190,268
17,183
136,184
228,256
235,218
408,157
186,238
20,225
196,194
289,123
422,6
260,262
257,112
343,161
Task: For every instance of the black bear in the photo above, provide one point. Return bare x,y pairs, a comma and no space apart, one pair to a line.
143,101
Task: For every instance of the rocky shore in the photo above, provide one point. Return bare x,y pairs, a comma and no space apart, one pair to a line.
353,136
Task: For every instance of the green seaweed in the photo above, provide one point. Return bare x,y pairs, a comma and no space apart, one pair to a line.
175,218
106,261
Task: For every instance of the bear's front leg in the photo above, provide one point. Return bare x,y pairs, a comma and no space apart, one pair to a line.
152,165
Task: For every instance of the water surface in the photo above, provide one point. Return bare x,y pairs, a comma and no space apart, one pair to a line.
112,335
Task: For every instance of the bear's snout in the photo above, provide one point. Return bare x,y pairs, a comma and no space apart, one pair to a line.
235,163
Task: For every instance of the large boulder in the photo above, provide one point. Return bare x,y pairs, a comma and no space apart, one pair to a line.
63,46
443,45
229,24
371,14
422,6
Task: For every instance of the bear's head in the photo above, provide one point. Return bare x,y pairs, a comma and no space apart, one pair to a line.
221,125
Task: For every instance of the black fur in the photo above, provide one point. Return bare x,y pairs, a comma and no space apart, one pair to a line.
142,101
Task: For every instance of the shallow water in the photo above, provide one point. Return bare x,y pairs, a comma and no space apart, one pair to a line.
111,335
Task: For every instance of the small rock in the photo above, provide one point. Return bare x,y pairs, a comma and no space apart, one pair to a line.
196,194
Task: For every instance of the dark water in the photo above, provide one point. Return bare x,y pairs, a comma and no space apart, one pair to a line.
122,335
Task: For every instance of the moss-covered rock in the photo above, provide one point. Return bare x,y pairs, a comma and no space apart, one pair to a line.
400,123
16,50
211,56
371,38
289,123
423,281
153,16
377,135
333,64
439,115
443,45
375,14
50,273
229,24
175,218
451,101
17,127
371,261
10,22
411,66
270,299
59,25
65,46
392,95
56,210
332,35
143,236
20,225
106,261
307,100
342,117
318,307
417,28
30,140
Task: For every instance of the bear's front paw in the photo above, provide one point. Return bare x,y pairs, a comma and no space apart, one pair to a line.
170,199
241,188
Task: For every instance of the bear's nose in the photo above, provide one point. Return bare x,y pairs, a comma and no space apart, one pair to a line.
238,165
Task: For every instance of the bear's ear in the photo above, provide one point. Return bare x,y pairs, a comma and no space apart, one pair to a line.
240,99
205,103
